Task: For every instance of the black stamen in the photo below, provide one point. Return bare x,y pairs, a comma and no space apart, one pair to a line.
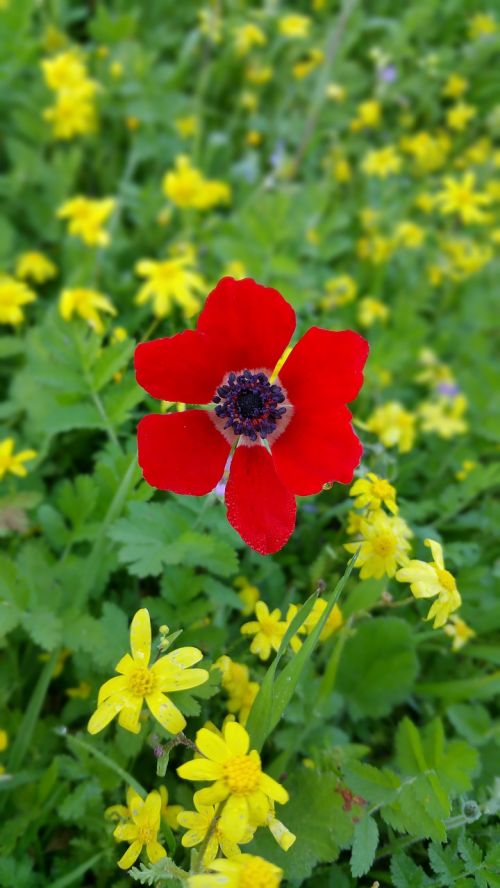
249,404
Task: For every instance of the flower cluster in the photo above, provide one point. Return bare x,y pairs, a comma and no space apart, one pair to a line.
73,112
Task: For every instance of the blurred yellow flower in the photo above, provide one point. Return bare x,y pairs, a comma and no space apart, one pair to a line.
468,465
236,682
336,92
409,234
65,70
253,138
381,162
459,631
368,116
429,151
460,115
242,871
248,594
13,462
268,630
141,830
169,282
294,26
13,295
73,113
458,197
137,682
430,580
35,266
118,334
341,290
4,740
87,304
383,546
482,25
371,492
371,310
455,86
186,126
116,70
306,66
444,416
247,36
235,269
86,218
394,426
186,186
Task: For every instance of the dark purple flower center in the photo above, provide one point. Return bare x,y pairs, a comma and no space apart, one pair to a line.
250,404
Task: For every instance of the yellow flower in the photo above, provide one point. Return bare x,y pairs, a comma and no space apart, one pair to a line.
141,830
258,74
87,304
371,310
170,813
170,281
13,295
466,468
306,66
294,26
341,290
124,694
336,92
368,116
482,25
247,36
199,823
428,151
459,116
73,113
13,462
408,234
394,426
186,186
86,218
384,545
455,87
81,692
430,580
235,269
371,492
268,629
64,71
458,196
186,126
253,138
381,162
279,831
425,202
334,621
463,258
35,266
354,521
377,248
248,594
236,681
444,416
459,631
118,334
4,740
116,70
243,871
341,168
239,779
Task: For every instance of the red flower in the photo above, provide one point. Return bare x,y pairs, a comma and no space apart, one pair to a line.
293,433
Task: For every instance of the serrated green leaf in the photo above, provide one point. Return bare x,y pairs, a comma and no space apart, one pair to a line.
109,362
364,845
45,628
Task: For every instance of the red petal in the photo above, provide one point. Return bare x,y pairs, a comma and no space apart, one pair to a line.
252,325
259,506
319,445
182,452
325,366
185,367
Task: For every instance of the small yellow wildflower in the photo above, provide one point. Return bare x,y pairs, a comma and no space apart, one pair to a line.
334,620
118,334
354,520
80,692
429,151
170,813
368,116
336,92
65,70
253,138
87,304
257,74
248,594
237,776
394,426
381,162
186,186
466,468
247,36
306,66
200,822
341,290
116,70
459,116
458,197
425,202
13,295
459,631
170,281
13,462
242,871
377,248
408,234
35,266
137,682
236,682
249,101
141,830
371,492
371,310
444,416
268,629
4,740
482,25
294,26
455,87
383,546
340,167
430,580
86,217
186,126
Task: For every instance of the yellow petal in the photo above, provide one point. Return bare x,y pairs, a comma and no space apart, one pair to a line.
155,851
165,712
184,657
236,738
130,856
152,806
273,789
437,552
112,686
140,637
129,716
104,714
200,769
211,795
234,818
212,746
125,665
125,832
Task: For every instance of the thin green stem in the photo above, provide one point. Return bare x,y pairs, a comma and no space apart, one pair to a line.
105,418
124,775
330,674
208,836
76,874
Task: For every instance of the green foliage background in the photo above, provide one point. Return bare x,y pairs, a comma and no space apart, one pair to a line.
399,720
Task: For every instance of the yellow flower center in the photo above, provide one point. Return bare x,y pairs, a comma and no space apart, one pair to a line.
146,833
446,579
382,489
242,775
258,873
384,544
141,682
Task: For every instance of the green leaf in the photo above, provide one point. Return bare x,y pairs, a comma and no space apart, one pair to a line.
109,362
370,783
364,845
45,628
406,874
378,667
